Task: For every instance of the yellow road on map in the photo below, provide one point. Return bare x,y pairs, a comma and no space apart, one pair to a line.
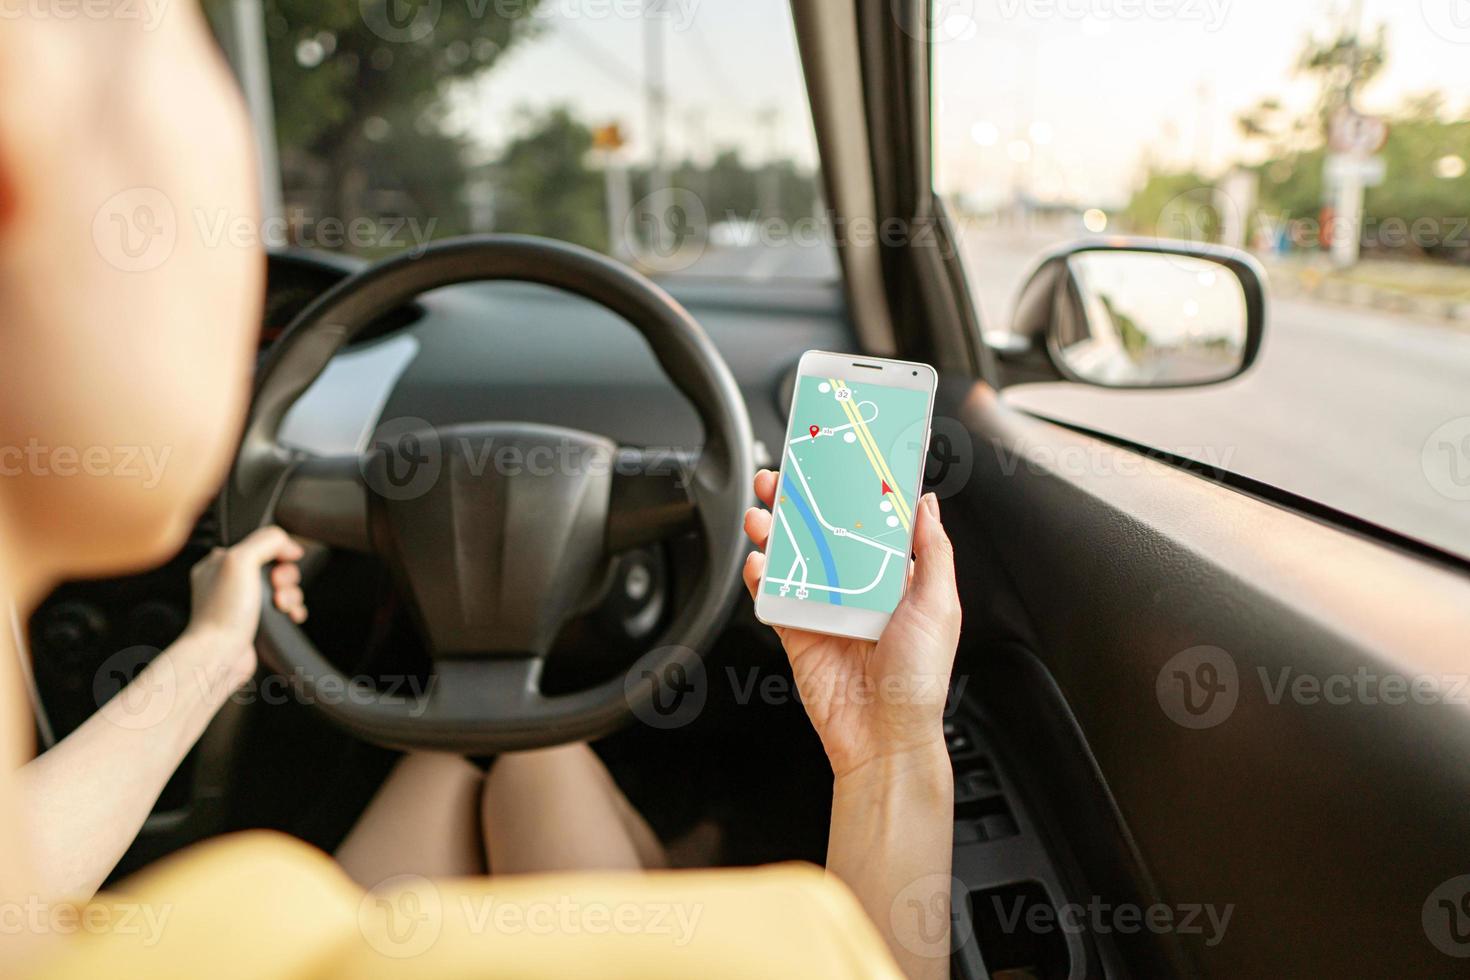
880,465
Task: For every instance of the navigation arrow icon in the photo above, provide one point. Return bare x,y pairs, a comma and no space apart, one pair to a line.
886,488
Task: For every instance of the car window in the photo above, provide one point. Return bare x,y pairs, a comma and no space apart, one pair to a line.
1265,127
674,134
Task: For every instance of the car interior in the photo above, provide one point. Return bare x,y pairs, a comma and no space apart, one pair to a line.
1320,831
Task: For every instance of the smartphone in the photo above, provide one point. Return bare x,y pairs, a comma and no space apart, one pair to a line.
842,523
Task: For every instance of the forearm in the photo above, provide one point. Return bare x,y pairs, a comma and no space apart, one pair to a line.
85,799
891,843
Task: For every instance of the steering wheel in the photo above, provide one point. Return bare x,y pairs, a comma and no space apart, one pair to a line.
495,558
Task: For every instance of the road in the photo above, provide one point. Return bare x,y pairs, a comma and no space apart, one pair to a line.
1363,410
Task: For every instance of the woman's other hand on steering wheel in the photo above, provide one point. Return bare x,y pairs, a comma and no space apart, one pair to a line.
226,594
879,700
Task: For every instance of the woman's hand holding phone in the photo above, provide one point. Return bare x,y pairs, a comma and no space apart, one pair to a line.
870,700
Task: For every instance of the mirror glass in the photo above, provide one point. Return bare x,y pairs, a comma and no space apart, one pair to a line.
1146,318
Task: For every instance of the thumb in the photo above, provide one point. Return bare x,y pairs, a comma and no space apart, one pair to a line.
933,588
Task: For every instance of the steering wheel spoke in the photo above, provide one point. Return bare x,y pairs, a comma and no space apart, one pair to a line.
326,499
652,497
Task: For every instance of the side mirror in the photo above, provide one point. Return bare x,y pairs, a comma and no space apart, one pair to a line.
1136,314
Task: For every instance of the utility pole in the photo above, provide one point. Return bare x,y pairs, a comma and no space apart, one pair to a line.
656,95
1351,188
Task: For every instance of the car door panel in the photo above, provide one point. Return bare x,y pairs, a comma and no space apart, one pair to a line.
1322,818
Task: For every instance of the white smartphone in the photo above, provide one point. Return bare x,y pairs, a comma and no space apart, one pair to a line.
842,524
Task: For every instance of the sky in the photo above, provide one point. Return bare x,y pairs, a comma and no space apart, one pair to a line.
1106,92
732,74
1095,88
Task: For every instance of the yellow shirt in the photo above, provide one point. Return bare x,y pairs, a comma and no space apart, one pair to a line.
267,906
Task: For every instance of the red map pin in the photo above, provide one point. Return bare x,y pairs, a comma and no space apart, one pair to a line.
814,430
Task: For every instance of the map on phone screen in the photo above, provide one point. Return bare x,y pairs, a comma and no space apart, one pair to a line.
844,509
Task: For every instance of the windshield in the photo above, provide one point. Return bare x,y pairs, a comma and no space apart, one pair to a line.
673,134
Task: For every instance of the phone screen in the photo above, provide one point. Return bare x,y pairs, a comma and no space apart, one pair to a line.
844,510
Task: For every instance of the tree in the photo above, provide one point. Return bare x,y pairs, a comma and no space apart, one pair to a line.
544,186
1343,65
359,100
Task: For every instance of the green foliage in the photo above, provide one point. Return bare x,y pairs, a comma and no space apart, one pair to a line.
344,98
544,186
1415,192
1173,205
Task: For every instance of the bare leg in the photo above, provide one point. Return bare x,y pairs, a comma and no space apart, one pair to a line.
558,809
424,820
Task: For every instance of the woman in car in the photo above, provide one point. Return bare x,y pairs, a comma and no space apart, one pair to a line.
139,133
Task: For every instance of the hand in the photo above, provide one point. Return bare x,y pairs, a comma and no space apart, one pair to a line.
226,591
871,701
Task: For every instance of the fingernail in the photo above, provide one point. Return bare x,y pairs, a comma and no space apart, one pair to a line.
932,502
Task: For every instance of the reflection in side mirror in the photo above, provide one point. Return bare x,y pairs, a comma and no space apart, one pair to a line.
1134,313
1149,319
